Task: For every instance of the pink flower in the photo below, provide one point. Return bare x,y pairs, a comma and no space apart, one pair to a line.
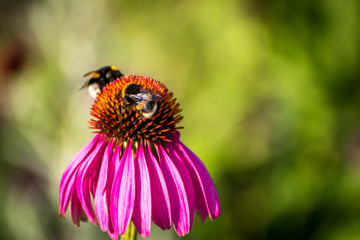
136,168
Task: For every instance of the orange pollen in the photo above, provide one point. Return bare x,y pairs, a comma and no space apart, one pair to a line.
122,120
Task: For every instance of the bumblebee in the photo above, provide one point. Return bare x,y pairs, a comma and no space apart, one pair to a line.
100,78
145,100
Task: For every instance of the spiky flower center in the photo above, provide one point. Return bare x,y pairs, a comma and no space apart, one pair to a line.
123,120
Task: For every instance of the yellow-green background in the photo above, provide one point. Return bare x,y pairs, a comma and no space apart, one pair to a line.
270,93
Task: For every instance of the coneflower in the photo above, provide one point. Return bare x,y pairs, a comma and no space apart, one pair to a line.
136,169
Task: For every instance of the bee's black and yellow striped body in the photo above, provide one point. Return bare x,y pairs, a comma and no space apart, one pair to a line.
100,78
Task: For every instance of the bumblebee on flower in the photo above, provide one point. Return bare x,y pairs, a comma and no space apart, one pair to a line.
136,168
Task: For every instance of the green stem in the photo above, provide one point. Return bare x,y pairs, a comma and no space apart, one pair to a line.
130,233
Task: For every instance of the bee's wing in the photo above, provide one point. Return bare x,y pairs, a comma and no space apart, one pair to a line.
156,97
87,82
139,97
89,73
84,85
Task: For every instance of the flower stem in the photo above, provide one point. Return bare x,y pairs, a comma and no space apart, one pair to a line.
130,233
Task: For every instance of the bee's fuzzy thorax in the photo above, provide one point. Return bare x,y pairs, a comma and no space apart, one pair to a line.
121,121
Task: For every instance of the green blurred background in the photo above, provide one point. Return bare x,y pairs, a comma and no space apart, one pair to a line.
270,92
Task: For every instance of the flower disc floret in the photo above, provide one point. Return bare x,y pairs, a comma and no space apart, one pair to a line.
116,118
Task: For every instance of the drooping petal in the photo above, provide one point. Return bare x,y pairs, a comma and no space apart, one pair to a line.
65,195
123,191
142,207
68,177
178,162
180,211
200,203
115,161
103,190
75,208
160,201
205,190
83,178
113,235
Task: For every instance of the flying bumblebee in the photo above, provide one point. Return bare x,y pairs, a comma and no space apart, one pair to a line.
100,78
145,100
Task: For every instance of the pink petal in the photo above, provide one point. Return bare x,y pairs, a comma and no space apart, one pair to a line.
180,211
103,191
115,161
75,208
161,212
205,190
114,236
123,191
66,192
83,179
178,162
67,179
142,207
